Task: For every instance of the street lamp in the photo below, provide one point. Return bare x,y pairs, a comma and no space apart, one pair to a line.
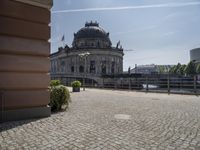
84,55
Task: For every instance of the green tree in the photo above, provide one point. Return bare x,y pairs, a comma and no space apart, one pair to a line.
177,68
172,69
161,69
181,70
190,69
198,69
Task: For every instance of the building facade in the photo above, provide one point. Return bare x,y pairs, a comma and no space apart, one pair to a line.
195,55
151,69
24,59
90,56
145,69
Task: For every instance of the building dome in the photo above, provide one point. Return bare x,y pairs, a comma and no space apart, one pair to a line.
91,36
91,55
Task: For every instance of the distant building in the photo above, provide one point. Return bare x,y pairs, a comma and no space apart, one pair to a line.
195,55
145,69
91,55
151,69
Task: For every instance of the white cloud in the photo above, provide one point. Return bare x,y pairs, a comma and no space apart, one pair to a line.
167,5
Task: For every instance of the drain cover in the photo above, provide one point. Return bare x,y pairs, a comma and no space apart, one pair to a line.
122,116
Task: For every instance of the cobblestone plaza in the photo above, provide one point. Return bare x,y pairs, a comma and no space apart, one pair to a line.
112,120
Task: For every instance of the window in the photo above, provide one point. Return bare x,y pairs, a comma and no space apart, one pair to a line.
103,67
92,66
72,69
62,62
81,69
98,44
113,67
57,66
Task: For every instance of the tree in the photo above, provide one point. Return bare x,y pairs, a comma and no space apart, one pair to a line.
172,69
181,70
190,69
161,69
198,69
177,68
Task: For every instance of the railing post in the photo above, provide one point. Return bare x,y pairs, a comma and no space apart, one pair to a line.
83,83
147,85
103,83
168,84
121,83
195,84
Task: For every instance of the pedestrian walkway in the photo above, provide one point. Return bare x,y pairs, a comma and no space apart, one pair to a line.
112,120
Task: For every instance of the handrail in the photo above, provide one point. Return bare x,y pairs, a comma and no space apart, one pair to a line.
169,84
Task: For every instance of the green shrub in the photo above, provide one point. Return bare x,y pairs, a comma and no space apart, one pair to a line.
55,83
76,84
59,97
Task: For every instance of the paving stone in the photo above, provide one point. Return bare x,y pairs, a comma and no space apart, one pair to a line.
170,122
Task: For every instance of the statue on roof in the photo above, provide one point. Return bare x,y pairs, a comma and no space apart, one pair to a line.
118,44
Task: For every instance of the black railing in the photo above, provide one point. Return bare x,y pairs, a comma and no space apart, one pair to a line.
159,83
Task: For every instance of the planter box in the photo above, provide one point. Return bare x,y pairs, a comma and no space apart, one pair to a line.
76,89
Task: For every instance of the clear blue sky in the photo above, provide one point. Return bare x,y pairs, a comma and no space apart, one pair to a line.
159,31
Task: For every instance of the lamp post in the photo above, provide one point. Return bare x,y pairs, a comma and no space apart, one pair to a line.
84,55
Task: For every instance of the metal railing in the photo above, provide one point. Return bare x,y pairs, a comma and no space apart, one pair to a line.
168,84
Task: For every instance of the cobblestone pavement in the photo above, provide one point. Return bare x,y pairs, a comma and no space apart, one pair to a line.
156,121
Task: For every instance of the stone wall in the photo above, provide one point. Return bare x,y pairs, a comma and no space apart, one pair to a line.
24,59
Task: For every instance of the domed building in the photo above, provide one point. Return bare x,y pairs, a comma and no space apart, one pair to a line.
90,56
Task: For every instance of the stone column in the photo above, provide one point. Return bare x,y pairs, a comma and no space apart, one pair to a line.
24,53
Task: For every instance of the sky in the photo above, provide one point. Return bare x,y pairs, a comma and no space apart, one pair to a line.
157,31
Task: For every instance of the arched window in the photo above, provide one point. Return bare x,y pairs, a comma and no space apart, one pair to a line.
92,66
103,67
72,68
62,63
113,67
81,69
98,44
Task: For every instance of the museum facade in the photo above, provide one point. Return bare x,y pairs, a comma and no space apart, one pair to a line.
91,56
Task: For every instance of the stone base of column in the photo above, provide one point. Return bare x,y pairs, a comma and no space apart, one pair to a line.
27,113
